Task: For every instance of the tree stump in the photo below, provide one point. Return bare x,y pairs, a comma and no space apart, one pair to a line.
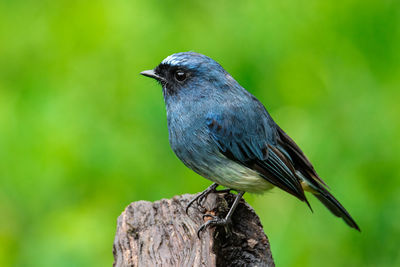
162,234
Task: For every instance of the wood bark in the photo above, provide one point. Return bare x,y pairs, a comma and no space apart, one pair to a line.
162,234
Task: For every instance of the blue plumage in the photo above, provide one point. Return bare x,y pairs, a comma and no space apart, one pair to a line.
222,132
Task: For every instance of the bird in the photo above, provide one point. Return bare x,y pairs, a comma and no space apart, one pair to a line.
224,133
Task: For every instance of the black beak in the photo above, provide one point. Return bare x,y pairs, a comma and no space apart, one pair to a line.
152,74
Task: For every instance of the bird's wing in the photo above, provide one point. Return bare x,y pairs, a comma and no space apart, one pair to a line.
249,140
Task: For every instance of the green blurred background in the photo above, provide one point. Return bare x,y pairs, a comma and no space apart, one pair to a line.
82,134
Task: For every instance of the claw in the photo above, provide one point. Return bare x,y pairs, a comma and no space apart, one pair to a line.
200,197
214,222
190,204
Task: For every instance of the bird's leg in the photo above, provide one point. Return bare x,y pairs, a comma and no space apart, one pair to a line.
215,221
199,198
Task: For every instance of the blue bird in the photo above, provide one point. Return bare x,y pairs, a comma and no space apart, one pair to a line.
222,132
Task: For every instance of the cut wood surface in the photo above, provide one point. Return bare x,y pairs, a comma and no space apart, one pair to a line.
161,234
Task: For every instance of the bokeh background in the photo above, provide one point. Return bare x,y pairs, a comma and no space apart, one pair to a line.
82,134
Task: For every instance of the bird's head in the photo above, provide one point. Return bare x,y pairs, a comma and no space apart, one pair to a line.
189,71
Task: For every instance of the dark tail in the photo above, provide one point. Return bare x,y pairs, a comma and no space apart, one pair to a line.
311,182
335,207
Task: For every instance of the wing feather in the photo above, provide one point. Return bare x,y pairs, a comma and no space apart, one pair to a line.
246,142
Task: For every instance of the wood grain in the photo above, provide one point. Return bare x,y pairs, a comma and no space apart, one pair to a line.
162,234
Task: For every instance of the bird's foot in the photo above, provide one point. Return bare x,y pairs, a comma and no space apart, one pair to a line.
215,221
200,197
226,222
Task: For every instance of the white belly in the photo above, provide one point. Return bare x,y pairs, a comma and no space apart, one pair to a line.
238,177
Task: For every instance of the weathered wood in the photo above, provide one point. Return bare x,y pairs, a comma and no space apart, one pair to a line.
162,234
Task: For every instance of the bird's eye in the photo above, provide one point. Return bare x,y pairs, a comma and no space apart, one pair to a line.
180,76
